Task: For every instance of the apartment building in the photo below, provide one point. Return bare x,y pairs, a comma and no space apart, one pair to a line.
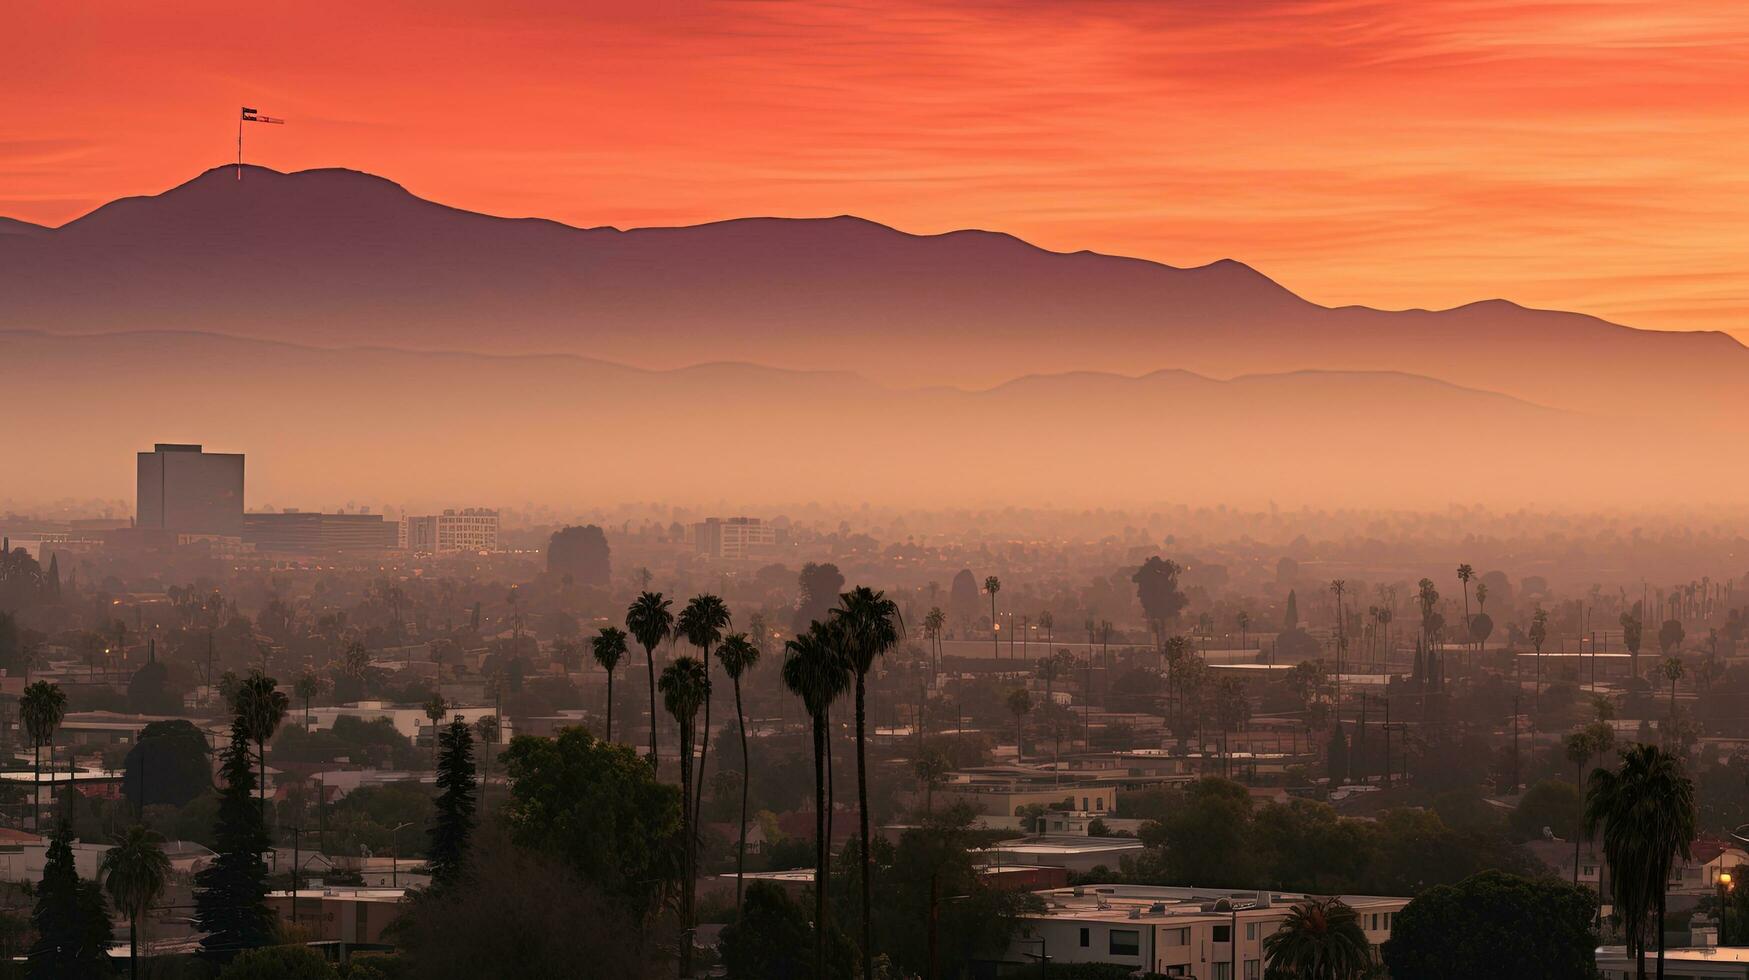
1209,933
472,529
732,538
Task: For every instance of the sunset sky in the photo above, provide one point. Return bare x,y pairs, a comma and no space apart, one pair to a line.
1580,155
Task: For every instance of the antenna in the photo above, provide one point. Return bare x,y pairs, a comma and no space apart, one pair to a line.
250,115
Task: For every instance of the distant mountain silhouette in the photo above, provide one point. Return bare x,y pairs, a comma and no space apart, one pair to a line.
392,425
333,257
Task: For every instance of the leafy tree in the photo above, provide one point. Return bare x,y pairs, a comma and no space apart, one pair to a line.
279,963
231,892
1670,637
136,873
1551,803
818,588
71,919
580,552
150,693
454,822
1320,939
1205,834
1157,588
1483,927
168,765
768,939
1336,757
597,808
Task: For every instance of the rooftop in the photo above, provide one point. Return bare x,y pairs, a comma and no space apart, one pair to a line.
1158,902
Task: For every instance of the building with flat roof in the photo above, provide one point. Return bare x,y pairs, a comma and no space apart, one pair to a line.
295,532
181,489
472,529
1210,933
732,538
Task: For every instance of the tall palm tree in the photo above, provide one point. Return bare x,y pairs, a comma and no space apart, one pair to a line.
609,648
1579,748
1320,939
1338,588
686,685
815,671
650,621
1020,705
1464,574
307,687
1673,671
262,706
435,709
738,655
872,626
136,873
993,585
933,624
1645,808
703,622
41,708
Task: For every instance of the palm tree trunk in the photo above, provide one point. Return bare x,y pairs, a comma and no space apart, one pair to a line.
650,659
1658,927
820,847
862,821
134,946
36,779
934,910
741,852
703,737
687,852
610,706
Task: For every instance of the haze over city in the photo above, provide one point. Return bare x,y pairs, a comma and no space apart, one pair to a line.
919,491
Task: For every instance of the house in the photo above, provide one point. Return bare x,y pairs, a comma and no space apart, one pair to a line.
1077,854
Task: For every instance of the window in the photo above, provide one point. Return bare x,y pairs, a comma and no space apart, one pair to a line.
1250,931
1220,971
1125,942
1083,802
1222,934
1253,969
1086,937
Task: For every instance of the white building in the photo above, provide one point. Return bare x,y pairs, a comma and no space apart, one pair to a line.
1213,934
732,538
472,529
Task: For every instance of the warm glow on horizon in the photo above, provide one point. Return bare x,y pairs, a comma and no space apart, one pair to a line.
1581,156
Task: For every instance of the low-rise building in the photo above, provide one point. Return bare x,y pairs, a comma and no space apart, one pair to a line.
1211,933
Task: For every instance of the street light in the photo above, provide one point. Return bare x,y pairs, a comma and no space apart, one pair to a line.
395,855
1725,886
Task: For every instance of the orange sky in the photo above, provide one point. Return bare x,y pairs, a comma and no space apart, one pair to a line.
1584,155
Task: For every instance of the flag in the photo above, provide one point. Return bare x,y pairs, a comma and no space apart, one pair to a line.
250,115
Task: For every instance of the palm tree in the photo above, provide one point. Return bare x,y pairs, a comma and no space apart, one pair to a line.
1673,671
650,622
1539,634
702,622
686,685
738,655
489,729
135,872
1579,748
815,671
934,624
872,625
1464,574
307,687
993,585
1645,808
609,648
435,709
41,708
1020,704
1320,939
1243,621
1337,588
930,767
262,706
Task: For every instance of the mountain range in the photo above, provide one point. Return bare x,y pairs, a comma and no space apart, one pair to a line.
344,321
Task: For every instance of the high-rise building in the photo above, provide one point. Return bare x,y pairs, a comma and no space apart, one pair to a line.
732,538
183,490
472,529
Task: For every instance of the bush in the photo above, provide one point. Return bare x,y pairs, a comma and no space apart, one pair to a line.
279,963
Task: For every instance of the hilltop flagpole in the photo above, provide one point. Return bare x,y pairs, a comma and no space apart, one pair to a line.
250,115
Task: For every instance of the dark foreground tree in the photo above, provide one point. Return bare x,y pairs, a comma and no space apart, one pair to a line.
135,872
71,920
1321,939
168,765
522,915
230,898
453,821
1496,925
772,940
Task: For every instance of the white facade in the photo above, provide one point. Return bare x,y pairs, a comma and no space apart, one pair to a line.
473,529
732,538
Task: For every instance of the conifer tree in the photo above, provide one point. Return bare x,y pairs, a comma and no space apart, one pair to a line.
454,821
231,892
71,919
